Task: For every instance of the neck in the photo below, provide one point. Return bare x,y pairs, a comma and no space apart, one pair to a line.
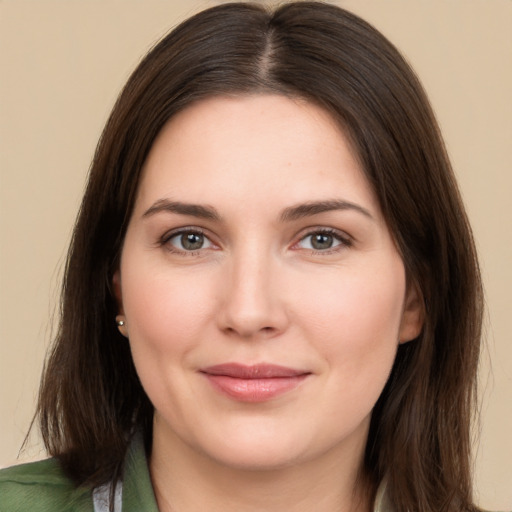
186,481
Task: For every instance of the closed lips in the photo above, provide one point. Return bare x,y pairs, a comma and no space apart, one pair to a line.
253,383
260,371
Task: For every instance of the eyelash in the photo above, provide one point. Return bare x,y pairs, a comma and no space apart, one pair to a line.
345,241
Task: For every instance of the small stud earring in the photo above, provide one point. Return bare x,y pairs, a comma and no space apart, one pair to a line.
121,325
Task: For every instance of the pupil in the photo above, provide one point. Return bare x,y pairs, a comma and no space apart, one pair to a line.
192,241
322,241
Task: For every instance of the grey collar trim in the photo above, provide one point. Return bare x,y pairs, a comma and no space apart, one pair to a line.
101,498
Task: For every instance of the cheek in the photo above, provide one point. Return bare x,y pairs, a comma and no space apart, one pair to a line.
165,311
356,304
354,319
166,317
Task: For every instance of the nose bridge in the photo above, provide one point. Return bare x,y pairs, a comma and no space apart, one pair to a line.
251,298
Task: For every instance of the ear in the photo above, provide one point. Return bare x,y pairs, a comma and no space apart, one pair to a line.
120,318
413,315
118,294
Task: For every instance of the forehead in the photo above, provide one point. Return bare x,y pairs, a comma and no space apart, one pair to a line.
250,147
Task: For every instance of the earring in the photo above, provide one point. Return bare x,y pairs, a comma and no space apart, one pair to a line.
121,325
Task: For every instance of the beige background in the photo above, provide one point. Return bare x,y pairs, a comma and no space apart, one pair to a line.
62,64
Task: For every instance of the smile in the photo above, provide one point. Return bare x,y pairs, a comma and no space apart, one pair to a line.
256,383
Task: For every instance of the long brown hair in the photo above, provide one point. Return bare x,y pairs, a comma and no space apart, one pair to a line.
91,400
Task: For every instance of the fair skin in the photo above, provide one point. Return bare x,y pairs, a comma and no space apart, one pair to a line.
257,240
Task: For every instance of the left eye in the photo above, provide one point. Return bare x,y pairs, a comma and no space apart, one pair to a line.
189,241
320,241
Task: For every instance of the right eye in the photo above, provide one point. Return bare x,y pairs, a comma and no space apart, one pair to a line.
187,241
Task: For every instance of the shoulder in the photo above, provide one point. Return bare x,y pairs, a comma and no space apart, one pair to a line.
41,487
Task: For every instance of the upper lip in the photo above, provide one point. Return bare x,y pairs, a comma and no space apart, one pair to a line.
256,371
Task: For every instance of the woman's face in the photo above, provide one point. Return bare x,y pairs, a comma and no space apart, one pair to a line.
263,294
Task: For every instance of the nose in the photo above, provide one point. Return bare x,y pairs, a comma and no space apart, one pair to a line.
253,303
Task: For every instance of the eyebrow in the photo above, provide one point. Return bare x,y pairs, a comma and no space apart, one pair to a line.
194,210
314,208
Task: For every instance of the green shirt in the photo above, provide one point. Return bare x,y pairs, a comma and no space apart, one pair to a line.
43,487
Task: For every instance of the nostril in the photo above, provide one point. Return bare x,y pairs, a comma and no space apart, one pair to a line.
263,332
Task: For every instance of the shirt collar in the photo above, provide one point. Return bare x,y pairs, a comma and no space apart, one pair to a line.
138,492
382,503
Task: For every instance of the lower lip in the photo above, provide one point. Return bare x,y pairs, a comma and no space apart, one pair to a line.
254,390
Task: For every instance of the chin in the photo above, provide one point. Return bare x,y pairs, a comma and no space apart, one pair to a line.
257,458
261,449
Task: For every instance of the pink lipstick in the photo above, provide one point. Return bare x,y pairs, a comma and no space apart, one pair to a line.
255,383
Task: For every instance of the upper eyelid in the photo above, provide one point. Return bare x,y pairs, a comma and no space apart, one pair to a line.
185,229
343,235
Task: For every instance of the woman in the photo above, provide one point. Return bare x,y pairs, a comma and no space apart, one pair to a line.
272,298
